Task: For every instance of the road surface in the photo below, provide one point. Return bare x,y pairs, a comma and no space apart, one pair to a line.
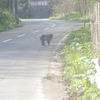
24,62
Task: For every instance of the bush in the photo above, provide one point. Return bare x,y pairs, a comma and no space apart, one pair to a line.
79,70
81,36
7,20
74,16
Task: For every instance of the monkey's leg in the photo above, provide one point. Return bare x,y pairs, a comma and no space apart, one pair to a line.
42,41
48,42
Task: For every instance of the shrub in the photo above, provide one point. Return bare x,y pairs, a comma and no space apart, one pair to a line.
79,70
7,20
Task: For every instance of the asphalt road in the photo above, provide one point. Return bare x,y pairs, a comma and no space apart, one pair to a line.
24,62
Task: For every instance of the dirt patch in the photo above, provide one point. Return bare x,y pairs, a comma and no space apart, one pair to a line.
55,88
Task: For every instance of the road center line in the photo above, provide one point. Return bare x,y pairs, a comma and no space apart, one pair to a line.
36,31
21,35
46,28
6,40
49,22
53,25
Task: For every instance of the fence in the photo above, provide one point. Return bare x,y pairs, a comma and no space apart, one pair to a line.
95,26
95,32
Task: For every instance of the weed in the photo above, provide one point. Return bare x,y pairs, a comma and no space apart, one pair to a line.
78,53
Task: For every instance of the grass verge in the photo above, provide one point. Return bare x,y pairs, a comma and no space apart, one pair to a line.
73,16
79,71
11,25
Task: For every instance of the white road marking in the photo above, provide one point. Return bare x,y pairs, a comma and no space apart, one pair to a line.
21,35
53,25
46,28
36,31
6,40
49,22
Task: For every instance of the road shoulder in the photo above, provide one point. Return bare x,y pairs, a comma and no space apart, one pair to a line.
55,88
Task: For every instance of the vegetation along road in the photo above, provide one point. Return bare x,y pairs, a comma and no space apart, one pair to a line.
24,61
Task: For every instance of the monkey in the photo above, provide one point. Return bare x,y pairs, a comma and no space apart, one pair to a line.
46,37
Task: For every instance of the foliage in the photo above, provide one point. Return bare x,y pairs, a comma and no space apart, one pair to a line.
79,36
79,70
25,9
3,4
60,7
88,1
6,4
74,16
63,8
7,19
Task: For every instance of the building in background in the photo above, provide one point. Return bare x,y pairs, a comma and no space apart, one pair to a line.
40,8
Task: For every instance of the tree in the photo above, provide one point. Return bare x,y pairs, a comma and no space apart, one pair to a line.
10,4
25,9
61,7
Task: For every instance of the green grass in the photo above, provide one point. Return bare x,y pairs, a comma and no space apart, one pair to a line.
73,17
78,54
80,36
12,25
